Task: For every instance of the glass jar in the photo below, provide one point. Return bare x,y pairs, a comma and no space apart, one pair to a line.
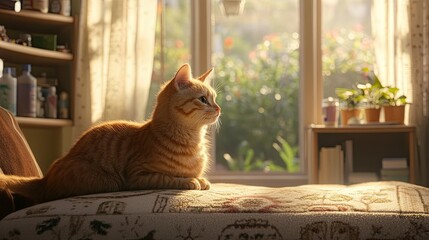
330,111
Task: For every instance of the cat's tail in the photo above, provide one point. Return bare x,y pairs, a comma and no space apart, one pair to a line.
28,187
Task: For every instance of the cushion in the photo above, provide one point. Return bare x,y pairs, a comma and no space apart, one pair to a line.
377,210
15,155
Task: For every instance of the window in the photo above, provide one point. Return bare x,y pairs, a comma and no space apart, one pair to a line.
268,73
256,59
172,43
347,43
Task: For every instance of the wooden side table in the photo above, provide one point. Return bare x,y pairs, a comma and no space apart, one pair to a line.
371,143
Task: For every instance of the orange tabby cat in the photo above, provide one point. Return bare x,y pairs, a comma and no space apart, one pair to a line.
168,151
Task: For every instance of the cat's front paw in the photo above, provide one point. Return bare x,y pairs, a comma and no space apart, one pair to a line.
196,184
191,184
204,183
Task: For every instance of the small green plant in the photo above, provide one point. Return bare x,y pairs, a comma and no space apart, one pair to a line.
287,154
372,92
377,94
245,161
390,97
349,98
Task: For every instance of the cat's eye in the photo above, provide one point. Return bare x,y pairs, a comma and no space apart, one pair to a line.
204,100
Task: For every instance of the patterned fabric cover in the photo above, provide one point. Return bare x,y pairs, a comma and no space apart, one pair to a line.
379,210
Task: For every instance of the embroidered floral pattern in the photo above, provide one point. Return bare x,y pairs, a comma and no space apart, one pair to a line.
382,210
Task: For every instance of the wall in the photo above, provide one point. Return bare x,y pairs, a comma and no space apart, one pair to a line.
48,144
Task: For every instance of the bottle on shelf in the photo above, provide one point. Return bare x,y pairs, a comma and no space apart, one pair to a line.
41,5
8,90
55,6
63,105
40,103
26,93
51,100
65,7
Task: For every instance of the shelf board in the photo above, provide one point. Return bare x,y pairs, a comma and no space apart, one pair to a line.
23,17
363,128
11,52
43,122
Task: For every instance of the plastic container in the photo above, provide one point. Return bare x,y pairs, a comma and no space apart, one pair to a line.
40,103
8,90
55,6
26,93
41,5
65,7
51,101
63,105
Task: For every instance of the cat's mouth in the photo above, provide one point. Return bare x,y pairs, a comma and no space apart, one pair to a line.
213,118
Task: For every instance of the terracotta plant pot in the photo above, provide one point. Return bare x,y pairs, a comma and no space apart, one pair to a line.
372,115
394,114
347,114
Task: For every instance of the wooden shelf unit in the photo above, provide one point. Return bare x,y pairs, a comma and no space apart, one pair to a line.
371,143
64,64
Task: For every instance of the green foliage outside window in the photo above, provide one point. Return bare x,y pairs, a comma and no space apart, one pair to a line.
259,97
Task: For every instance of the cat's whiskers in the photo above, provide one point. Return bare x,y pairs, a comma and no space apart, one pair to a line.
218,124
218,86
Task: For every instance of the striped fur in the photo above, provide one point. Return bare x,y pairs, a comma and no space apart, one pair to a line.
167,151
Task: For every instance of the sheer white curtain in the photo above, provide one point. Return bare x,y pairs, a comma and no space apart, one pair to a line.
419,32
401,29
115,60
390,27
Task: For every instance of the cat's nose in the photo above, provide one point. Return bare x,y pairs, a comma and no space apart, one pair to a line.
217,109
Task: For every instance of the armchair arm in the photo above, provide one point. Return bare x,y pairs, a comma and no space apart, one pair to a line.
16,156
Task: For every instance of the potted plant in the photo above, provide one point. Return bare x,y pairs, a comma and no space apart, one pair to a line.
372,99
349,100
393,105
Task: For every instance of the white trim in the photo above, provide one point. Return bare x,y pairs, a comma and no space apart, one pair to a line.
201,46
311,86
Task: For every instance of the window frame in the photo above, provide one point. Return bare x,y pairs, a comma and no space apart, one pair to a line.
310,91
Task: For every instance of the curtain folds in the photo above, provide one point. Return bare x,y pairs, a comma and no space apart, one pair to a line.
115,60
392,44
400,30
419,32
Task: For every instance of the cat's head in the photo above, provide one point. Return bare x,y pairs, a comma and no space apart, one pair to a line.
187,100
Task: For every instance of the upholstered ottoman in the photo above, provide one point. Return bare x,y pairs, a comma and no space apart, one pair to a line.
378,210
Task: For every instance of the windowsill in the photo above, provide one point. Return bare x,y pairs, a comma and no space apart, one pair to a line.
268,180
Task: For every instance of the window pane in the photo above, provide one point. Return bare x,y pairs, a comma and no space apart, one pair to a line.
255,56
172,42
347,43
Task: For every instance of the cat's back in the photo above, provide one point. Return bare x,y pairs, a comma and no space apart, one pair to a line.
114,128
110,134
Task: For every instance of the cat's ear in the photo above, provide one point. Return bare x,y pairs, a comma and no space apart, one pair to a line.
206,77
183,77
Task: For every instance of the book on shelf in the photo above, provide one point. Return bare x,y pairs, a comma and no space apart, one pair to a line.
394,163
394,169
336,167
331,165
360,177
